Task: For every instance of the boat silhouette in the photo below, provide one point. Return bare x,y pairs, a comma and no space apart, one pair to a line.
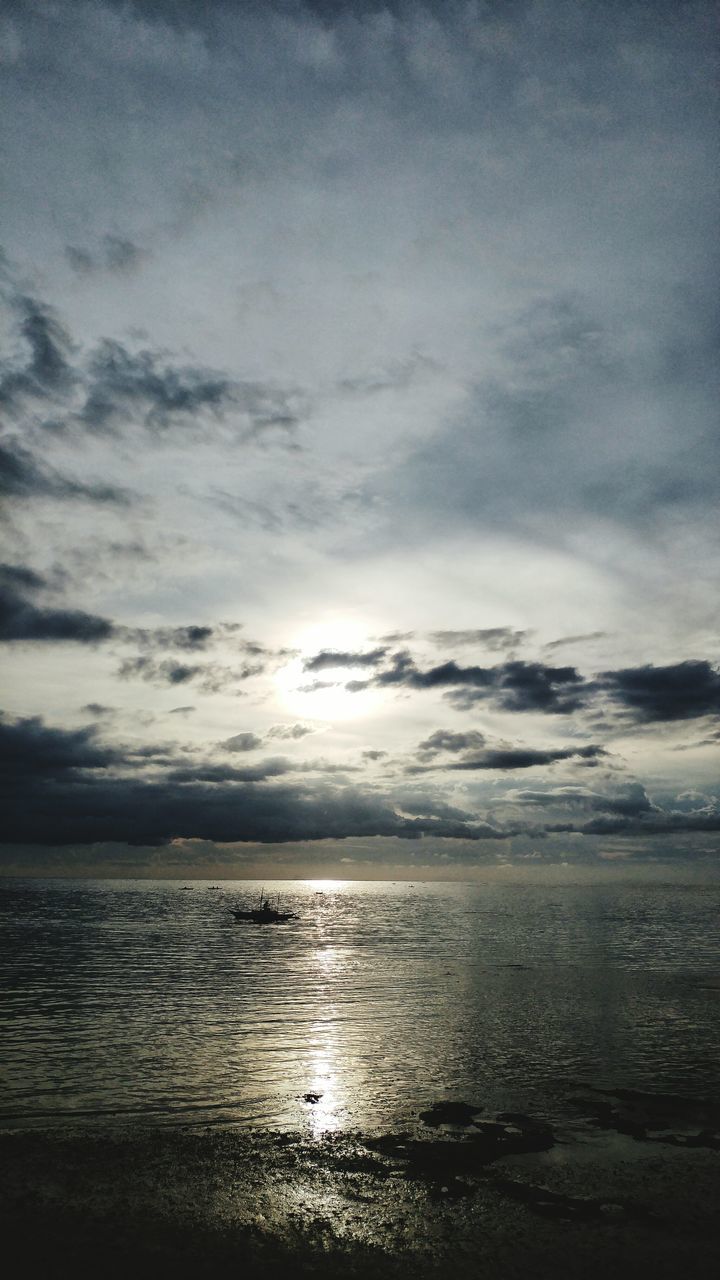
265,913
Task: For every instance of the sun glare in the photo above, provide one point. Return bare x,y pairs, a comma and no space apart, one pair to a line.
322,694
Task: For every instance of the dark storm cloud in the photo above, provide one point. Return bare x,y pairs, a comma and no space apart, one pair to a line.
374,755
98,709
22,619
30,749
23,476
202,772
680,691
115,254
55,791
508,758
495,638
513,686
329,658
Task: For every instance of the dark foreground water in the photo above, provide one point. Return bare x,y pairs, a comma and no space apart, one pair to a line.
127,1000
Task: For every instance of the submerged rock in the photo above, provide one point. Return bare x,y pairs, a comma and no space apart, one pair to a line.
653,1117
460,1113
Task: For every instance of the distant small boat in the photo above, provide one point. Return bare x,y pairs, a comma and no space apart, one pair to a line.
265,913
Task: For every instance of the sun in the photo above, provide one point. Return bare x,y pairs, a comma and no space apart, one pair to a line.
322,695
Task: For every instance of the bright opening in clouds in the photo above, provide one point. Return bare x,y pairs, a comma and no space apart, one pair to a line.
359,439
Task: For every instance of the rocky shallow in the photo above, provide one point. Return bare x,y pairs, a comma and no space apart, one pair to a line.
632,1183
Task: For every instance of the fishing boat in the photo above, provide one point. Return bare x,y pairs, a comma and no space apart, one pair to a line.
265,913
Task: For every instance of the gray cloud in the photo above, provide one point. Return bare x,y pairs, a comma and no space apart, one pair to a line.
449,740
514,685
115,388
143,388
680,691
23,476
43,766
21,619
211,677
242,742
569,640
47,371
290,732
166,672
495,638
509,758
114,254
629,801
330,658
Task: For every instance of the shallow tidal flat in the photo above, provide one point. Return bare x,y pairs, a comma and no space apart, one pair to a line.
633,1184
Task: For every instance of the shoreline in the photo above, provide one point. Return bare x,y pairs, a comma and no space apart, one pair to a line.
496,1198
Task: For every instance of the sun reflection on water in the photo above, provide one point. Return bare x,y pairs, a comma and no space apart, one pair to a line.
326,1098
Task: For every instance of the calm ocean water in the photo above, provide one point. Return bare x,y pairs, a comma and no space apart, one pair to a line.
134,999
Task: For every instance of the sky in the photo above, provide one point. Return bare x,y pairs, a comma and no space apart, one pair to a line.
359,448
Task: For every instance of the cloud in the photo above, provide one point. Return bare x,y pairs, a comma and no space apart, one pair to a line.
57,790
657,823
509,758
330,658
47,371
448,740
680,691
242,742
22,476
579,639
30,749
626,810
495,638
290,732
116,254
513,686
21,619
143,388
191,637
211,677
630,801
114,388
166,672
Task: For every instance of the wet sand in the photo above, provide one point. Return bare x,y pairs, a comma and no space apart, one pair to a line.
635,1184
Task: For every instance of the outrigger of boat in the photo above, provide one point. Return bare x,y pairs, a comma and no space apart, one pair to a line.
265,913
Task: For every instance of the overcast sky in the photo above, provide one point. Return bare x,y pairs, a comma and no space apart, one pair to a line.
359,454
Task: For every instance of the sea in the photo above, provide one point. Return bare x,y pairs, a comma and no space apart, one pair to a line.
138,1001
